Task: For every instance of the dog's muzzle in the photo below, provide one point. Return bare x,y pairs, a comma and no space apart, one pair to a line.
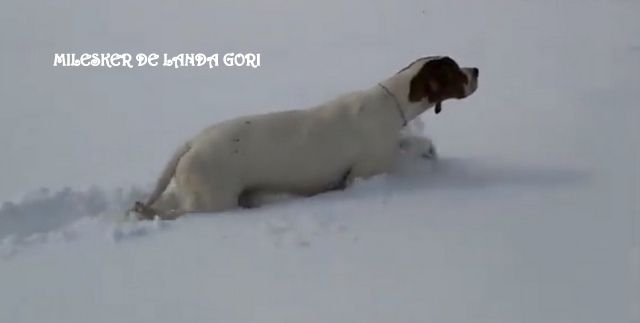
469,87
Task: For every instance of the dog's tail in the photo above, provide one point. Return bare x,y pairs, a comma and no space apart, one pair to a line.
167,174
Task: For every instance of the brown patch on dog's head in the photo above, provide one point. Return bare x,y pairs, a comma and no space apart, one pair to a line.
438,80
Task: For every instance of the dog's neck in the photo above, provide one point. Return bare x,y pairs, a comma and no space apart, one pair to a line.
397,87
396,104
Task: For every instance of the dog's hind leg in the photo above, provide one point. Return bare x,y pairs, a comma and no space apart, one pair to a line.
145,212
207,199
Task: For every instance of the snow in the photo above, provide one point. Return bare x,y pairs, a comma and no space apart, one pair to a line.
530,215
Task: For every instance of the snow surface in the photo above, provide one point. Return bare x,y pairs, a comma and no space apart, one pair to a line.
530,215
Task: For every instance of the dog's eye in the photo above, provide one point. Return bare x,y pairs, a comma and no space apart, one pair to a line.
465,79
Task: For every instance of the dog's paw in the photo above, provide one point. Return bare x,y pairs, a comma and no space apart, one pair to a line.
430,152
418,148
142,211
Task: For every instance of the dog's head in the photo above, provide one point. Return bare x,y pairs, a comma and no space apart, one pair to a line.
436,79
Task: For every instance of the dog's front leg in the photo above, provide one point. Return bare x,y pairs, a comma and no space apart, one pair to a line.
341,183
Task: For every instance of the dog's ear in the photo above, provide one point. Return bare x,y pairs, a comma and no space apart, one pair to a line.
419,86
437,80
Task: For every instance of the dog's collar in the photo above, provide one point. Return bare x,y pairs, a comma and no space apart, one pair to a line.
404,118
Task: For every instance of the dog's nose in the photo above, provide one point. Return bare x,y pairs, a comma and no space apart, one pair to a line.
476,72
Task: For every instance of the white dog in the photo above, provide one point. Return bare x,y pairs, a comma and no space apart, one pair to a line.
304,152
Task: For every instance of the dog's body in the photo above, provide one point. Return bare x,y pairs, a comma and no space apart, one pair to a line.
303,152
